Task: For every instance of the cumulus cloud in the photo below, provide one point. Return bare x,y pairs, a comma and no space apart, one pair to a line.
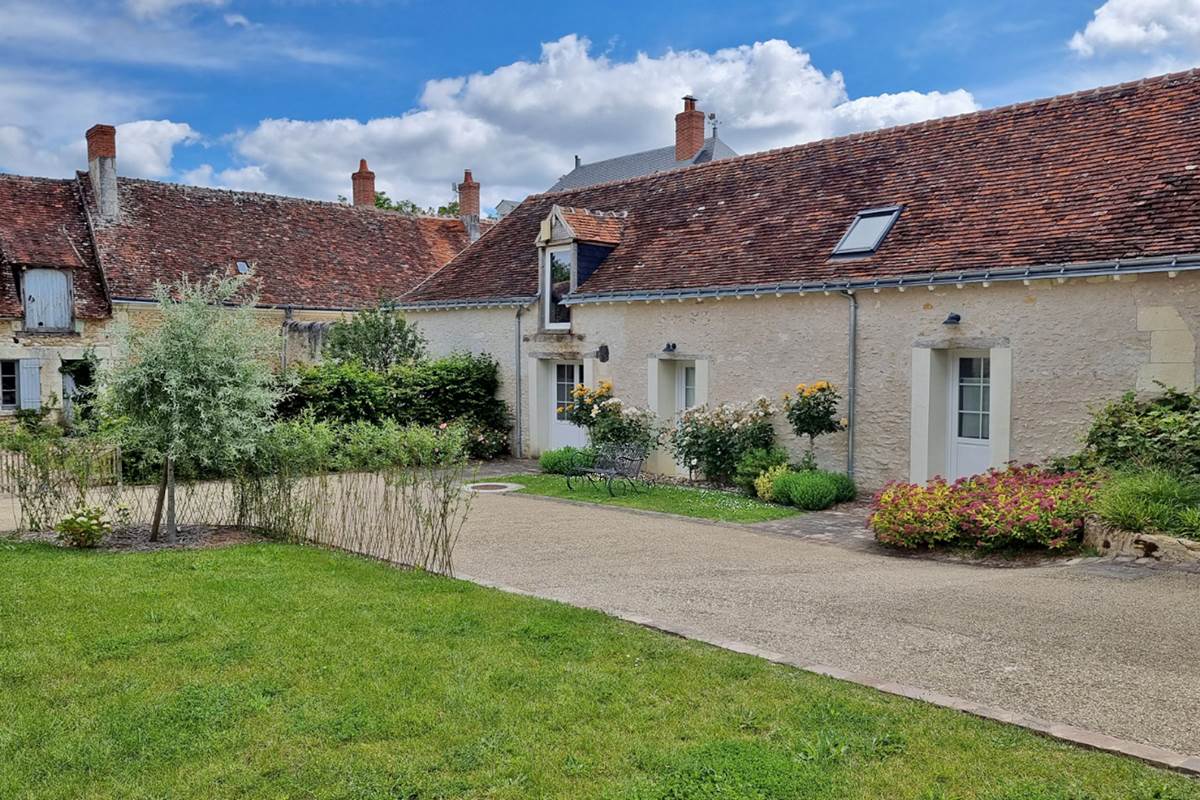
519,125
1140,26
145,148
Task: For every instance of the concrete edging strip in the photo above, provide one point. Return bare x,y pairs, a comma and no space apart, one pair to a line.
1093,740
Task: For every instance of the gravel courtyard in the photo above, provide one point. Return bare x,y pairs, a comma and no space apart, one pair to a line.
1101,646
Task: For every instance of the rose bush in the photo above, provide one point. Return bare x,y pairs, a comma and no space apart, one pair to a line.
1016,507
712,440
812,413
609,420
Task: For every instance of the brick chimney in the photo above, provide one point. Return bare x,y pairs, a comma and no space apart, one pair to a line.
363,183
689,130
102,169
468,205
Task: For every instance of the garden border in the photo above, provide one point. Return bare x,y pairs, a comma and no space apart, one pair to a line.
1081,737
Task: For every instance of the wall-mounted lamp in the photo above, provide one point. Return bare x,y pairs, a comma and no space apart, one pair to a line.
602,353
669,347
953,319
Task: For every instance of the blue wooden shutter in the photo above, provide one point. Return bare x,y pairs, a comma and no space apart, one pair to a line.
47,300
29,383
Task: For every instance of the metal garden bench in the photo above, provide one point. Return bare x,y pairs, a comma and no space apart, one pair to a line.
612,464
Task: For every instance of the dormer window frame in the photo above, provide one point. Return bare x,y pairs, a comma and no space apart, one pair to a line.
891,213
545,264
66,303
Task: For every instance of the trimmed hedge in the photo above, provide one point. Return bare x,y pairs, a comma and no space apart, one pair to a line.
460,387
812,490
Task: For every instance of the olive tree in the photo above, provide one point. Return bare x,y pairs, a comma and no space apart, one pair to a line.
196,387
376,338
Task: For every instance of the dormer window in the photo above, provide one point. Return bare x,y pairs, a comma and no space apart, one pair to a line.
557,266
867,231
47,295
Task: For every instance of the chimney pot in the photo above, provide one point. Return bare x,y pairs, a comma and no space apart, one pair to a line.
363,184
689,130
102,169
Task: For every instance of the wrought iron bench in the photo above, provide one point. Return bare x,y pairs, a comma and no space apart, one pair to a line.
612,464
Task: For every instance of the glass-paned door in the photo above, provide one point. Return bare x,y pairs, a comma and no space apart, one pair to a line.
567,375
971,451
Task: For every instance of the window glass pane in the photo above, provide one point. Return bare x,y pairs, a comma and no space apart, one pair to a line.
8,384
558,274
985,426
969,369
866,232
969,398
968,425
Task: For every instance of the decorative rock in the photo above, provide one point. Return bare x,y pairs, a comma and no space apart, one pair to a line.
1139,547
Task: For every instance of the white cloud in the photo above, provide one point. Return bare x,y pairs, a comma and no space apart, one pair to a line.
148,33
518,126
145,148
159,8
1140,26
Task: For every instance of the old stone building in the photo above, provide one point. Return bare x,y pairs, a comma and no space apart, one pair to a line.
972,284
80,254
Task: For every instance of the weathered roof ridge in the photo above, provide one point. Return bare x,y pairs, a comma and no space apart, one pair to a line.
981,114
242,193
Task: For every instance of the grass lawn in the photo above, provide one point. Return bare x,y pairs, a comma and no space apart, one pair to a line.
274,671
685,500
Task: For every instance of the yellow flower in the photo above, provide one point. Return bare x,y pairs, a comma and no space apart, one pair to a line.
800,387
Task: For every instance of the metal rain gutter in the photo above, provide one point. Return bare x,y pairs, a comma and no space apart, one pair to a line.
442,305
1061,272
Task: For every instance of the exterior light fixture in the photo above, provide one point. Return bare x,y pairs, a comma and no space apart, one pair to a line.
669,347
953,319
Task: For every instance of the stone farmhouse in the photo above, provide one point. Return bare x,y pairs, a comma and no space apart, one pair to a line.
78,254
971,284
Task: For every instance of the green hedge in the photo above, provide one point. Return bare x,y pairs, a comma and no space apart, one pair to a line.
460,387
566,459
812,489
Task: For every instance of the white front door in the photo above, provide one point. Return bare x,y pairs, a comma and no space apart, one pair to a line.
567,375
970,414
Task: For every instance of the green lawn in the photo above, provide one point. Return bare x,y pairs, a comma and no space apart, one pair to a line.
688,501
275,671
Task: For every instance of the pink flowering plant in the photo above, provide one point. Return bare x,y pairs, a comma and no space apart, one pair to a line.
1016,507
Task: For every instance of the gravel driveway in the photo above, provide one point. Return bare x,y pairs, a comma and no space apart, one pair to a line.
1110,648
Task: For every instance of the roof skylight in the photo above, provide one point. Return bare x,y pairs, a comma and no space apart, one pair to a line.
867,231
243,267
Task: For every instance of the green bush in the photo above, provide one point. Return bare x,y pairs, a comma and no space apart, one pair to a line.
810,490
461,387
1162,432
754,463
1151,500
564,459
764,484
846,490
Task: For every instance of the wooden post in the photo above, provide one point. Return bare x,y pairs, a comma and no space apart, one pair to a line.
171,530
158,504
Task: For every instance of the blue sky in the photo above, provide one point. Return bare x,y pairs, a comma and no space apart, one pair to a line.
286,95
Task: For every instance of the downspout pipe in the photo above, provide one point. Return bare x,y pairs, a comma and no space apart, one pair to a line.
519,450
851,380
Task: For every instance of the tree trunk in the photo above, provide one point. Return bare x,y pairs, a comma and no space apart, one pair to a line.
171,529
158,504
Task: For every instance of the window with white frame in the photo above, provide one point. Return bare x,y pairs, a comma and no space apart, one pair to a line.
685,382
557,266
10,394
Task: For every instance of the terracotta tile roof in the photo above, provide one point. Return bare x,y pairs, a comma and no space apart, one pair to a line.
595,226
304,253
1102,174
42,224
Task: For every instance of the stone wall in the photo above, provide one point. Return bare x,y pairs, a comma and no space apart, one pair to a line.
1073,346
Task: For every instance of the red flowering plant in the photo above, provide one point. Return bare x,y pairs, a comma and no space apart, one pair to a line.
1016,507
1023,506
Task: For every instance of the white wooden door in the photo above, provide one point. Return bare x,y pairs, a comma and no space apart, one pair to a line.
567,375
47,300
971,414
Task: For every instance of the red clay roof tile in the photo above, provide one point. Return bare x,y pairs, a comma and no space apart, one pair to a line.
1102,174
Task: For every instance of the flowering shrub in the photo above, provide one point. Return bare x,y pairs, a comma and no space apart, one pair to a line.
764,484
754,463
608,420
85,528
1019,506
712,440
813,412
